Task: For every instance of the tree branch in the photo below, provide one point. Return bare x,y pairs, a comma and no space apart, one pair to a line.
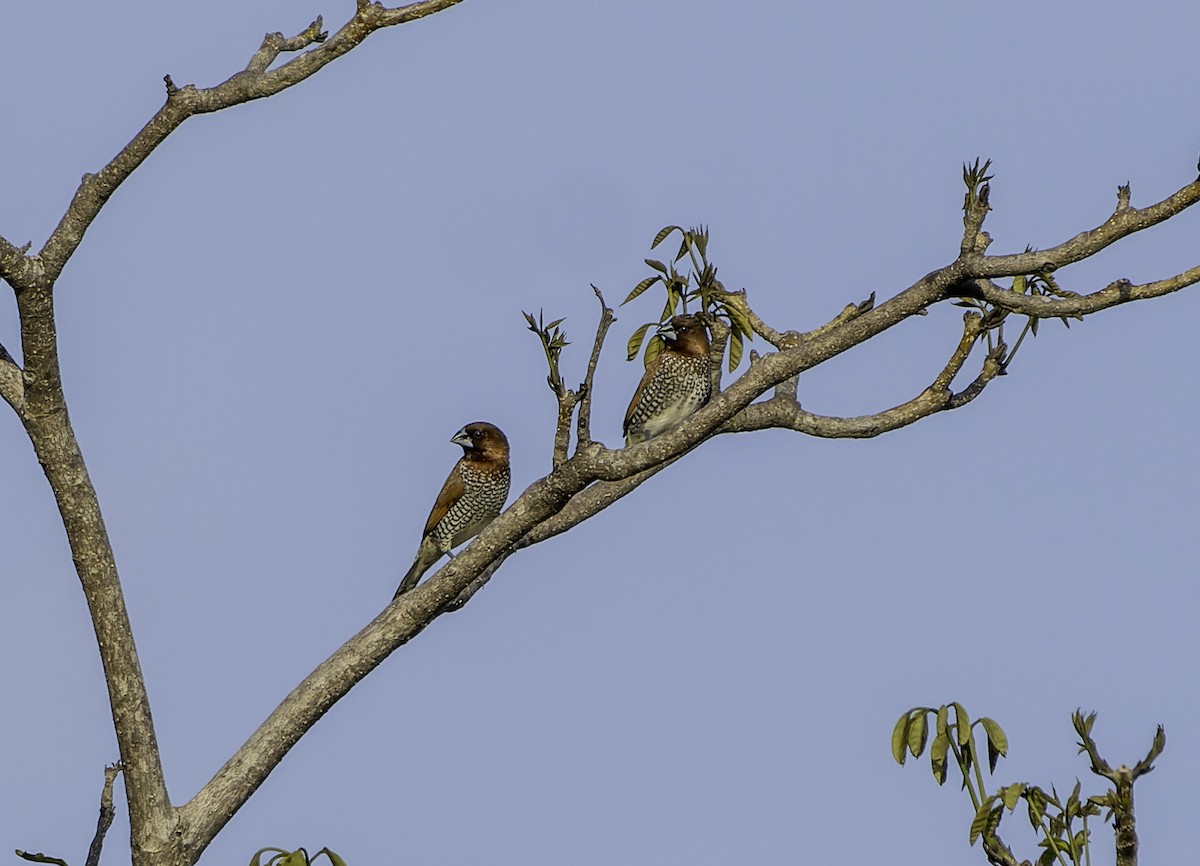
1115,293
106,815
1121,224
583,429
255,82
49,428
275,43
782,410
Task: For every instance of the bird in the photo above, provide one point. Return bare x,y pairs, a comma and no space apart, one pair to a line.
473,495
676,383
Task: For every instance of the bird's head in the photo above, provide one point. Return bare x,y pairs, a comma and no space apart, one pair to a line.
479,439
686,334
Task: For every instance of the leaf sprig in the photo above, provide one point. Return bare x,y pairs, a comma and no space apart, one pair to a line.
554,340
699,284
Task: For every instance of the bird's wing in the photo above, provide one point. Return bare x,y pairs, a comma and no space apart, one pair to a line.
452,490
637,395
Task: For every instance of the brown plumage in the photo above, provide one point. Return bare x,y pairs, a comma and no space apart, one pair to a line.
675,384
472,496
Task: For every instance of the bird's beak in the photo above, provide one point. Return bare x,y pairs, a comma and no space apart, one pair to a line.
667,331
461,438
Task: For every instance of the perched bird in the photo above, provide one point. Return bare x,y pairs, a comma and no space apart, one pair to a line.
675,384
470,499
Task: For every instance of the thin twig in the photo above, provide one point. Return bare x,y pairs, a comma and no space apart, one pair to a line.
106,814
583,428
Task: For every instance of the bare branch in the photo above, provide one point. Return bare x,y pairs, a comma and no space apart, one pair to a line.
849,313
106,814
40,858
782,411
583,429
591,501
1121,224
184,102
562,428
1114,294
275,43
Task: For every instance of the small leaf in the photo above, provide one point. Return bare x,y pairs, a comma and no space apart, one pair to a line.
1047,858
937,757
738,319
900,737
1012,795
962,724
918,734
997,741
982,819
1156,748
683,246
735,350
663,233
943,712
657,265
639,288
333,858
635,341
653,349
1018,284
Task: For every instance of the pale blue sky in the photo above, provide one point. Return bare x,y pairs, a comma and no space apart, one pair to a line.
277,323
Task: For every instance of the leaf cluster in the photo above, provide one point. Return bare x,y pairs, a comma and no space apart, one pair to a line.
699,284
1062,823
299,857
976,179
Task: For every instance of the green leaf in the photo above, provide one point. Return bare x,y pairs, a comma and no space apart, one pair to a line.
333,858
1156,748
1047,858
663,233
962,724
997,741
738,319
1035,799
640,287
299,857
657,265
653,349
735,350
900,737
937,757
1018,284
683,246
943,712
635,341
1012,795
982,819
918,733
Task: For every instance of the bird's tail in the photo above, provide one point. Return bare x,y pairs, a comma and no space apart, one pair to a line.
427,555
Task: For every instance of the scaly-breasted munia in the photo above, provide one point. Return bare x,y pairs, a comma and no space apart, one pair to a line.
470,499
675,384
